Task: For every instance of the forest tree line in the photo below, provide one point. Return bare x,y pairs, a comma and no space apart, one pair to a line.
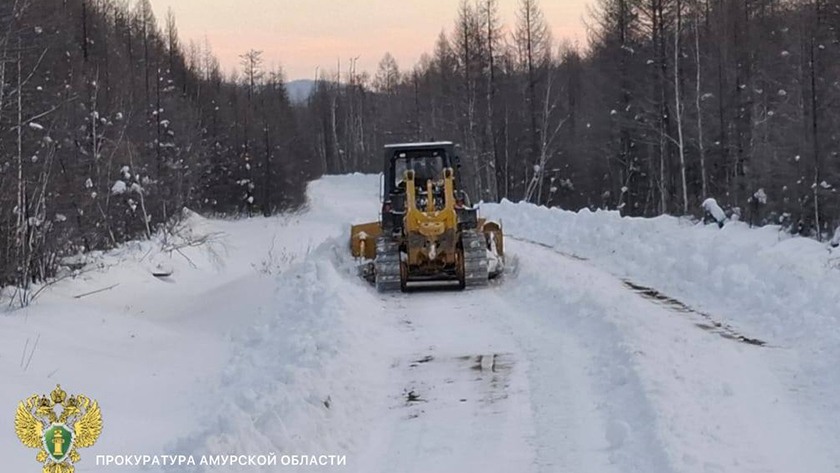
670,102
110,125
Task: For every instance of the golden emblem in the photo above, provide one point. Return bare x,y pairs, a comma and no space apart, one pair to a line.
58,435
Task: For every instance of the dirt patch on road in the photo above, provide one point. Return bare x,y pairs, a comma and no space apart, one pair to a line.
441,382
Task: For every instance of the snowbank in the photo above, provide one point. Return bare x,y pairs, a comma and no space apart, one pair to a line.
297,381
783,288
764,282
299,376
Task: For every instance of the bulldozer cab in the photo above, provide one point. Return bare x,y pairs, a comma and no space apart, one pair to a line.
427,160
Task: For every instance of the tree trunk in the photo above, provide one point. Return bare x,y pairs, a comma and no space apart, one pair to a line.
698,98
678,107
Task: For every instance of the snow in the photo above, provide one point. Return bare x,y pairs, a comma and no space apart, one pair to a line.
768,284
159,354
118,188
430,143
760,196
35,126
711,206
263,339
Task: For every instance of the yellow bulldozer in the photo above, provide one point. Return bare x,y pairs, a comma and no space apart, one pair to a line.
428,230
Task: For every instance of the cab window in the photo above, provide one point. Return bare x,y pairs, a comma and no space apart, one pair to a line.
426,166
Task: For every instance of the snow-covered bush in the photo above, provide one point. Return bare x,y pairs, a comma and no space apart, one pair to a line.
760,196
119,187
714,212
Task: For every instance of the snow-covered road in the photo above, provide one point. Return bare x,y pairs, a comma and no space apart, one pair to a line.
577,372
566,364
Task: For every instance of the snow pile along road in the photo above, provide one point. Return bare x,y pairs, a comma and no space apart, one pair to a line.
611,345
277,391
783,288
764,283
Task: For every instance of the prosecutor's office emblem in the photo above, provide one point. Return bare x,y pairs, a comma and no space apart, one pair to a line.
58,435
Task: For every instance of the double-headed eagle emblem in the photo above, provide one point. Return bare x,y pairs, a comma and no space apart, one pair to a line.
58,435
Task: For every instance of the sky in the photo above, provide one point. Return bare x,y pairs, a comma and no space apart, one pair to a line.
303,35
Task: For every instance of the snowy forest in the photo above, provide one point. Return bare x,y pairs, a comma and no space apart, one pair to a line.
670,102
111,125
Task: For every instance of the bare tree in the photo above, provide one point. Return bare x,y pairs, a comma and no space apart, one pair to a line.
678,107
533,43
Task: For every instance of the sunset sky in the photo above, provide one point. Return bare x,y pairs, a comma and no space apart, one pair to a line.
305,34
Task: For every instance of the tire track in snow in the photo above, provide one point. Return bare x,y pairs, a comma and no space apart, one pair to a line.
708,322
458,393
496,380
592,409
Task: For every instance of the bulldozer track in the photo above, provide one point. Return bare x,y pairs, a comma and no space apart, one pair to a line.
387,263
387,266
476,266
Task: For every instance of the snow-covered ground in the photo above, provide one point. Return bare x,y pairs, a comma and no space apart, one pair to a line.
762,282
611,345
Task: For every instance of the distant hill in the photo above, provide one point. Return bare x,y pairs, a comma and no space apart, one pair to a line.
300,90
